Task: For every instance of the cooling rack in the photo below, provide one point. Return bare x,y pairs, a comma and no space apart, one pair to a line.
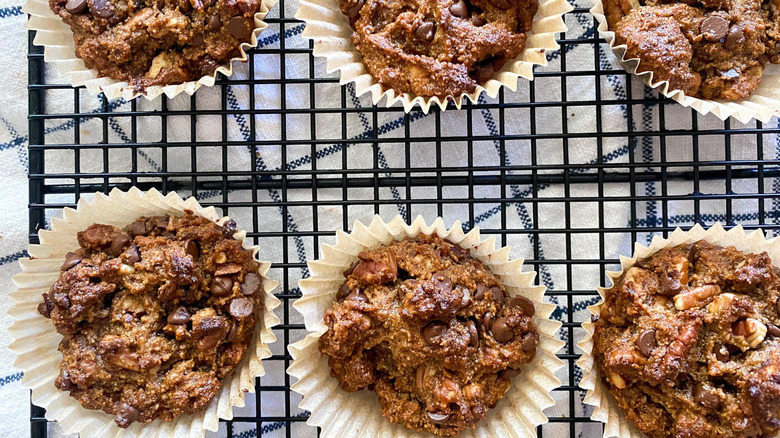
583,162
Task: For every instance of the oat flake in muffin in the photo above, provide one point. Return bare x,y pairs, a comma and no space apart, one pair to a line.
153,316
688,343
431,330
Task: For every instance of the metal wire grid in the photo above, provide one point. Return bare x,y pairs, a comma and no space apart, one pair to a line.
744,175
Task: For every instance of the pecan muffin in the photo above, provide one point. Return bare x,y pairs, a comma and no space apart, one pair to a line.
712,49
153,316
438,47
161,42
429,329
688,343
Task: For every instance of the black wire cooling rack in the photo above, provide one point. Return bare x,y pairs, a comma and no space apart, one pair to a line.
652,186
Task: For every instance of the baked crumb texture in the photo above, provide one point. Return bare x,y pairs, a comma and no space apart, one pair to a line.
688,343
438,47
711,49
160,42
429,329
153,316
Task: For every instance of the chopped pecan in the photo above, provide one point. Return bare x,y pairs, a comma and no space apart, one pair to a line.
696,297
753,330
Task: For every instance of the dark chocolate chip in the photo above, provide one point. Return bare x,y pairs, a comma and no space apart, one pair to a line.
46,307
484,73
221,286
433,332
118,243
66,384
425,32
133,255
456,250
773,330
501,4
61,299
196,40
343,291
233,333
125,415
529,342
459,9
498,294
162,222
76,6
487,321
240,28
721,352
508,373
241,307
71,259
703,396
138,228
252,283
180,316
501,331
481,289
442,283
191,248
714,28
734,39
465,301
646,342
213,22
437,417
354,12
102,8
348,271
526,305
473,333
358,295
477,20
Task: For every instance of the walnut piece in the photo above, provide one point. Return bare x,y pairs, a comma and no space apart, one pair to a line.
696,297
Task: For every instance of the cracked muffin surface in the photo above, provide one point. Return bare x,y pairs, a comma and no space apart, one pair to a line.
153,315
712,49
429,329
688,343
157,42
438,47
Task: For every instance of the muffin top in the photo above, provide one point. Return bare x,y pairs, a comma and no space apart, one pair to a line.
712,49
688,343
431,330
157,42
153,315
438,47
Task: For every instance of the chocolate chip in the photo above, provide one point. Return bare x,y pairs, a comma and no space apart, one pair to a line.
197,40
61,299
465,301
442,283
118,243
213,23
358,295
425,32
66,384
459,9
473,333
714,28
76,6
529,342
133,255
252,283
138,228
477,20
343,291
437,417
703,396
433,332
456,250
46,307
162,222
721,352
773,330
348,271
233,333
354,12
125,415
191,248
526,305
501,331
240,28
508,373
241,307
221,286
180,316
646,342
71,259
481,289
498,294
487,321
734,39
501,4
102,8
483,73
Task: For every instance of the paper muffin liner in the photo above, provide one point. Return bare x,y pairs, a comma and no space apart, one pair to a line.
344,415
761,105
59,49
605,407
329,28
35,339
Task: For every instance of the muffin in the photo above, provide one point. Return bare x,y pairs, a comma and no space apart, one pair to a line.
158,43
438,47
429,329
153,315
687,342
706,49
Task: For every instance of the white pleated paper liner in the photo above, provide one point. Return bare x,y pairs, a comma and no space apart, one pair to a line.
344,415
327,26
59,49
761,105
605,408
35,339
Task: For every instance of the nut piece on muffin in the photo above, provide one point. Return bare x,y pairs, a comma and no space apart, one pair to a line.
153,315
157,43
431,330
705,48
688,343
438,47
